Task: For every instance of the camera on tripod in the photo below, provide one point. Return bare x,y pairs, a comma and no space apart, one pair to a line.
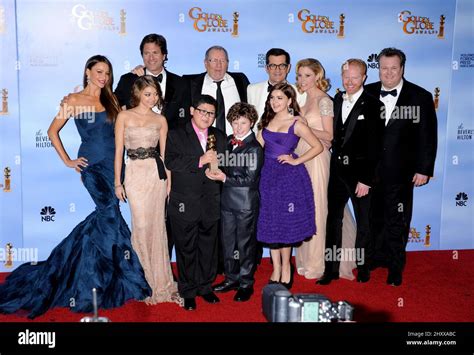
279,305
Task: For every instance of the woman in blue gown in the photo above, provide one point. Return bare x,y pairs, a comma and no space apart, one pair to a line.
98,253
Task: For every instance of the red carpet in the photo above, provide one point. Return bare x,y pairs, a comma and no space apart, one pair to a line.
436,288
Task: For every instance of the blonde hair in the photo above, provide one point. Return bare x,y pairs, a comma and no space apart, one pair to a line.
322,83
354,61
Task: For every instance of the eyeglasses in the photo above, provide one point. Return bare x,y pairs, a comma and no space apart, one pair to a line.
217,61
208,114
281,66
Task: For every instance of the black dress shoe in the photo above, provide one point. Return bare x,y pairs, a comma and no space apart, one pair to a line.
210,298
189,304
394,278
243,294
225,286
327,278
363,275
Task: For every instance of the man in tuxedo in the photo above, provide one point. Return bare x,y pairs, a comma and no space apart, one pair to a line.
356,147
194,203
226,87
409,153
154,51
277,66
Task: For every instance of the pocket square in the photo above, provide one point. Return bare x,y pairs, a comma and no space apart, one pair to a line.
361,117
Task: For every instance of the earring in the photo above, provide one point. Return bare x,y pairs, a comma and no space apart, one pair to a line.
290,111
88,80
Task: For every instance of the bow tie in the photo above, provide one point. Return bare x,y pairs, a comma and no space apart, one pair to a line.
237,142
160,78
384,93
347,97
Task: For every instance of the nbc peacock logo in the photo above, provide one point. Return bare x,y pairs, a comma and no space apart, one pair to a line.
461,199
372,61
47,214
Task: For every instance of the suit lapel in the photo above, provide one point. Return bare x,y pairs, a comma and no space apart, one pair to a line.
337,111
240,87
400,102
193,138
353,116
169,88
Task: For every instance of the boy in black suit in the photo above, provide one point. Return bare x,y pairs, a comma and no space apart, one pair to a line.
194,202
240,202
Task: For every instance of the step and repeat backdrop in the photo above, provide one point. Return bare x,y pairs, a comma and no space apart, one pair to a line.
45,44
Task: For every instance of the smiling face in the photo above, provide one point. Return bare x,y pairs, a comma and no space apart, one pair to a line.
279,101
153,58
275,73
353,78
216,64
99,74
203,116
306,78
241,126
149,97
390,71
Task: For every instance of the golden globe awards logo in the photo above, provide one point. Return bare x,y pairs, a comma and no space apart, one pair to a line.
413,24
100,20
209,22
320,24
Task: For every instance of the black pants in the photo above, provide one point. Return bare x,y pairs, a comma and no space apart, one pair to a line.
239,245
196,255
391,218
340,189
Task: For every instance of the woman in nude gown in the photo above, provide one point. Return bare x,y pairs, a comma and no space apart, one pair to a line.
140,130
318,112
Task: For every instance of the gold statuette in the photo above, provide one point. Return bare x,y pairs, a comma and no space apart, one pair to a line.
428,235
442,19
436,97
341,26
6,173
211,145
123,28
235,32
9,256
4,102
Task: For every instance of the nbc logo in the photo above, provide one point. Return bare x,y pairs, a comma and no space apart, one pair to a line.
461,199
372,61
47,214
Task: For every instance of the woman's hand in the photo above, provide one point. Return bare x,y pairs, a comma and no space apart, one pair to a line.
139,70
287,159
120,193
77,164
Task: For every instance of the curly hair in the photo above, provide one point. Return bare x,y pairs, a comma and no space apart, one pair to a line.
269,114
242,109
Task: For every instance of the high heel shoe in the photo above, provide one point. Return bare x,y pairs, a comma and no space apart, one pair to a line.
289,285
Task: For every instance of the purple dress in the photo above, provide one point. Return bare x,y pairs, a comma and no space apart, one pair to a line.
286,194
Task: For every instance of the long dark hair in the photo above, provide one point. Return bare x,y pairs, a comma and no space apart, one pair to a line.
107,97
269,114
141,84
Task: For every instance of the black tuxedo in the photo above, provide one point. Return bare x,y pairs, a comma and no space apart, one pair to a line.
193,209
356,148
174,104
239,210
409,147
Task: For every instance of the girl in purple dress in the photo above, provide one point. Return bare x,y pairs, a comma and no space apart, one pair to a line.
287,203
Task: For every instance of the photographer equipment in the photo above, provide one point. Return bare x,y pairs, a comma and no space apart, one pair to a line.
279,305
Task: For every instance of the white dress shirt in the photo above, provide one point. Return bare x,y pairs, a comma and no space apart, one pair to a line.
390,101
229,92
349,102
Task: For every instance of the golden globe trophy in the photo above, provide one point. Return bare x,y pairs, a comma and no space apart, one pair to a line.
235,32
4,102
211,145
442,19
436,97
428,235
123,28
9,259
341,26
7,175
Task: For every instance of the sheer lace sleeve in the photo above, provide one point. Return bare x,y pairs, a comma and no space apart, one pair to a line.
326,107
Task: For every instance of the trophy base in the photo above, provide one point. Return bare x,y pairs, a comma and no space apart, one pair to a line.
95,320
